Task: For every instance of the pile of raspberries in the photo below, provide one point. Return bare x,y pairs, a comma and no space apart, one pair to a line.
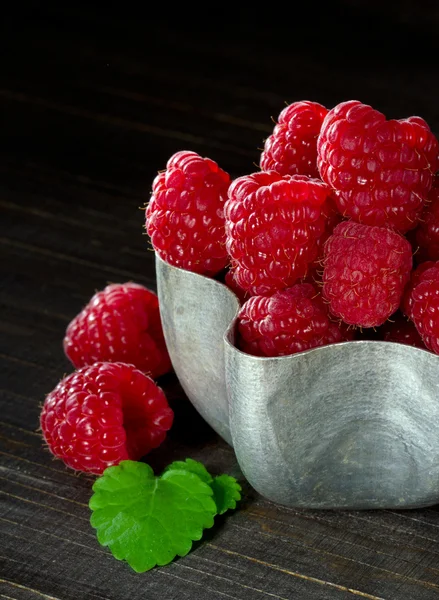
319,246
110,408
335,238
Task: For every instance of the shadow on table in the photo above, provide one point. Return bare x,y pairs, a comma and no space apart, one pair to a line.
191,437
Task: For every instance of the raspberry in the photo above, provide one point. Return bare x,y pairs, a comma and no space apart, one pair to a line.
401,331
292,147
415,277
427,232
333,218
365,271
290,321
273,225
381,170
119,324
236,289
185,215
103,414
421,303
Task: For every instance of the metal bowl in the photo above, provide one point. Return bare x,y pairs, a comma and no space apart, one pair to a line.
352,425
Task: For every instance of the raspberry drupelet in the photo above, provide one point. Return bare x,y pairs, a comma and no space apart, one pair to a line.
382,171
185,215
102,414
290,321
120,324
292,147
274,224
365,271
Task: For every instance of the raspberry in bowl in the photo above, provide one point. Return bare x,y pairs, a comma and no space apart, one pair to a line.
342,423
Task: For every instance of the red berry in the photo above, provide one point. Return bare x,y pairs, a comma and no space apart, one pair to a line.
421,303
427,232
365,271
185,215
416,276
401,331
274,224
231,283
290,321
333,218
381,170
292,147
103,414
119,324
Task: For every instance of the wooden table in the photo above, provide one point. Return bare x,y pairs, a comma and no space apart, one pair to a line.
94,103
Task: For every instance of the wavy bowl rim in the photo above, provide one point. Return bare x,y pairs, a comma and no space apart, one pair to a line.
326,348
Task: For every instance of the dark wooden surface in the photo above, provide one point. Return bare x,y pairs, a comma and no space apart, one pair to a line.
93,102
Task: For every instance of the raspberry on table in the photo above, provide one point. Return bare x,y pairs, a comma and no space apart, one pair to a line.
102,414
421,303
292,147
120,324
365,271
274,224
381,170
185,215
427,232
290,321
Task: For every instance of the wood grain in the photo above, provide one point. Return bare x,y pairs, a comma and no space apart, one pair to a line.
95,103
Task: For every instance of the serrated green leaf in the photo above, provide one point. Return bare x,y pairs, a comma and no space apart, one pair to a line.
226,492
192,466
148,520
225,488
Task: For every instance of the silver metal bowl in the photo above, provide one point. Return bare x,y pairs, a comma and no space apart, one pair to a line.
352,425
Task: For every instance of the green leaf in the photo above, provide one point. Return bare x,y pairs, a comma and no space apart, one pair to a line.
148,520
226,492
193,467
225,488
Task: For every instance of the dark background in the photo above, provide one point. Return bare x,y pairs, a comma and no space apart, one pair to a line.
94,100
